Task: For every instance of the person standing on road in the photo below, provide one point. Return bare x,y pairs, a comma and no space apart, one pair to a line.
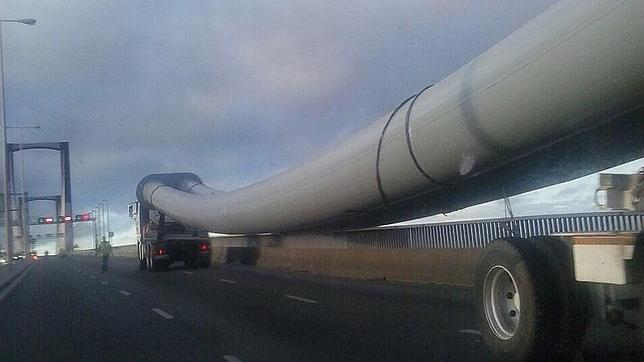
105,251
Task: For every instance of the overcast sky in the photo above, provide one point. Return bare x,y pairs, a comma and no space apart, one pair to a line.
232,91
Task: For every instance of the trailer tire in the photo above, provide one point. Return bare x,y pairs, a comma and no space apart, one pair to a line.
638,259
642,320
141,258
154,266
164,266
191,263
515,310
571,298
151,265
148,264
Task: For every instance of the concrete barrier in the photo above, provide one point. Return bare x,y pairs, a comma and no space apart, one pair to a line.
439,266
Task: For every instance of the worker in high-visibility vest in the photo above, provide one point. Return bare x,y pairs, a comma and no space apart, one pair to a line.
105,251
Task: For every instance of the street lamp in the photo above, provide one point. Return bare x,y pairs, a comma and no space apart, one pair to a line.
107,212
8,222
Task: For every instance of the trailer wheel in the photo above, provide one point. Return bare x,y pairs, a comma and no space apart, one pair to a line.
638,258
151,265
191,263
148,264
155,266
514,308
642,320
571,298
141,257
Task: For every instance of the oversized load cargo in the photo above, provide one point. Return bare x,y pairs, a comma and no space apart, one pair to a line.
566,87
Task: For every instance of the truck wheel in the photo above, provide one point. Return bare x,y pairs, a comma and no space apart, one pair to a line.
571,298
638,258
642,320
154,266
513,304
191,263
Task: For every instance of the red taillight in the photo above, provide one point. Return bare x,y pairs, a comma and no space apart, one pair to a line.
159,251
204,246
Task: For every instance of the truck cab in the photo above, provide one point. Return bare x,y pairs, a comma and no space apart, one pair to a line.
161,241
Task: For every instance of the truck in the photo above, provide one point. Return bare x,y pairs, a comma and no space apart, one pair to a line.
162,241
536,296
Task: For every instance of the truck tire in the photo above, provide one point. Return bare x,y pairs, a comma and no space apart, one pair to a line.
155,266
514,305
151,265
638,258
191,263
642,321
571,298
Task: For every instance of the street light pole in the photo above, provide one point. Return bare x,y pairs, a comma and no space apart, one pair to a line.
8,237
8,222
94,229
107,212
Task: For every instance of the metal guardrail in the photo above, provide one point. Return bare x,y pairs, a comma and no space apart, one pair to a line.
479,233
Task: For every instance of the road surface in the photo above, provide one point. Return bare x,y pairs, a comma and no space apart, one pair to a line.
66,309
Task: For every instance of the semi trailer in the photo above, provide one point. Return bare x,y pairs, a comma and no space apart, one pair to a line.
535,297
560,98
162,241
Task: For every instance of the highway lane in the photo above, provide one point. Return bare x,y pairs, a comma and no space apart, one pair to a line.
65,309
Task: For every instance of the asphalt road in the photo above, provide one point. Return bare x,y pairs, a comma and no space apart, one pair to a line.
65,309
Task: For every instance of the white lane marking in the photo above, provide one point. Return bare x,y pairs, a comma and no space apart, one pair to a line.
475,332
300,299
162,313
230,358
188,272
228,281
125,293
104,283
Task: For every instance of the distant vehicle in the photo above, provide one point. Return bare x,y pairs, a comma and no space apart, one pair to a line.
161,241
33,255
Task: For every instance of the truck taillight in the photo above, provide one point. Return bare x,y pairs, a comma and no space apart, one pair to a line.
159,251
204,246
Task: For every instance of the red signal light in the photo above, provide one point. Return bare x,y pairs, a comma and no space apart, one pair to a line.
204,246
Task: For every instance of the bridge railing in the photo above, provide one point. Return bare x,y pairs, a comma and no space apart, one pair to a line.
479,233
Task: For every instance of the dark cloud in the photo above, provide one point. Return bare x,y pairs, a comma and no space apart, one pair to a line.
233,91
